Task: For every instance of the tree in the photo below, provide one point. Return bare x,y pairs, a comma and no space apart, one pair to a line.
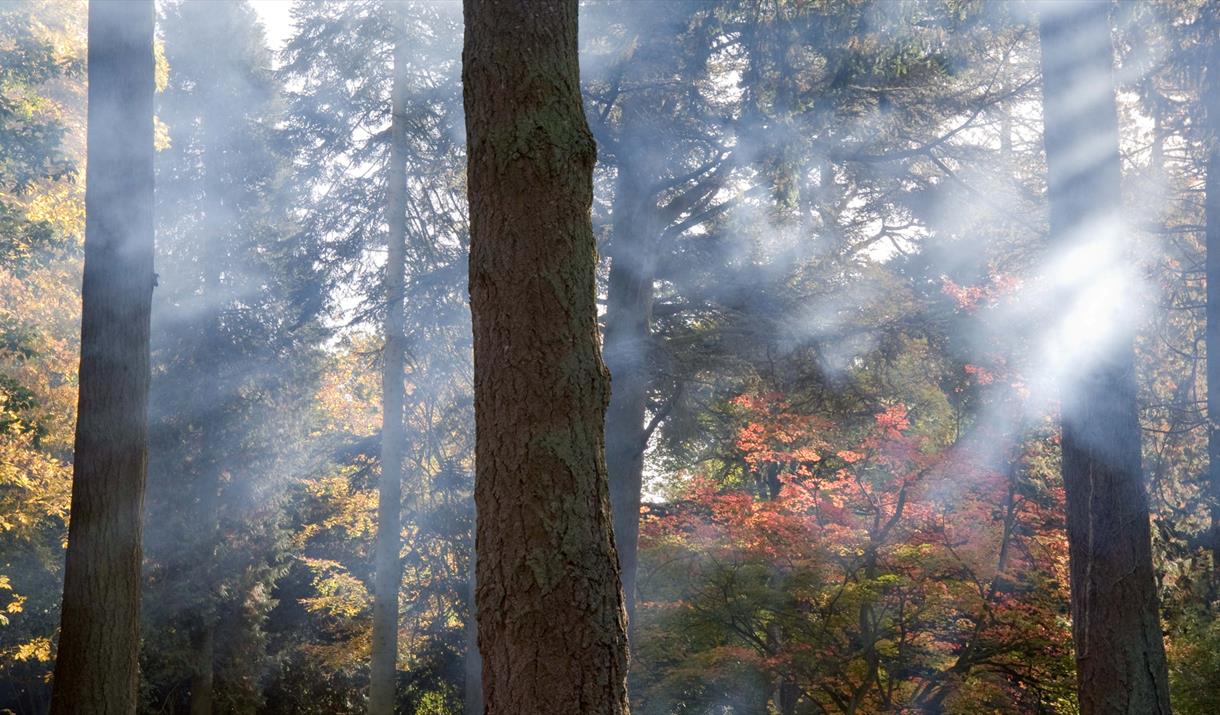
791,160
42,117
1210,103
234,354
386,565
864,568
1120,656
342,56
646,109
550,611
31,138
96,668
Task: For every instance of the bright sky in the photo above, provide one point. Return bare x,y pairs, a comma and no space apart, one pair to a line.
274,14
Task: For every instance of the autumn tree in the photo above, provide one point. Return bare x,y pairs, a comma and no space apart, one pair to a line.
96,667
31,138
815,583
550,612
1120,655
720,199
41,230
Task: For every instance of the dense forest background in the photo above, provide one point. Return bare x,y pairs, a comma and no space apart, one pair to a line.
837,332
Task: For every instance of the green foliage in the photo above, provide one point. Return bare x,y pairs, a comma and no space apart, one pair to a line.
1195,664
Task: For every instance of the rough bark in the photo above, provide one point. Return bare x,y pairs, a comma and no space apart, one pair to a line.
550,614
1120,659
96,666
387,566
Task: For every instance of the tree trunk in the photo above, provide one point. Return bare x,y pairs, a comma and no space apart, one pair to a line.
386,561
1120,659
550,613
203,640
634,248
208,406
202,680
472,690
1211,208
628,334
207,517
96,667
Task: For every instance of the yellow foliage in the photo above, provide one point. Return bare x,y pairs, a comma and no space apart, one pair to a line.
38,649
61,204
343,653
353,512
160,66
16,605
45,303
340,594
34,488
161,139
350,393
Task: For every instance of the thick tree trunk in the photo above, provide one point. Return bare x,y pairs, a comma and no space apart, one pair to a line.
633,246
550,614
96,667
386,561
1120,657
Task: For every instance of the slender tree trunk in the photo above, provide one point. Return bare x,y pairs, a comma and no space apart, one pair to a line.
207,518
634,251
550,608
202,680
472,695
208,406
96,667
203,640
386,564
1120,658
628,334
1211,208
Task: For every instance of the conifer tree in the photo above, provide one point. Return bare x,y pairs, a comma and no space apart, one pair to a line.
1120,656
550,607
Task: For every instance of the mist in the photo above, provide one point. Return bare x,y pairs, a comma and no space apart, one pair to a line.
904,308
